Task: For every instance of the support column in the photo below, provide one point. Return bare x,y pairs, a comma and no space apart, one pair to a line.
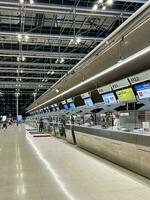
34,95
17,110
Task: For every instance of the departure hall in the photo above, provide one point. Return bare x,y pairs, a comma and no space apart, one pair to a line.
74,99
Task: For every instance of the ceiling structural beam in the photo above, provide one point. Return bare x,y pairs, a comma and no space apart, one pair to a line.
134,1
31,71
23,85
50,36
42,65
61,9
41,54
25,77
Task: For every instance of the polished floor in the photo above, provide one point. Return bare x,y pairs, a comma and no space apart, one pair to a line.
50,169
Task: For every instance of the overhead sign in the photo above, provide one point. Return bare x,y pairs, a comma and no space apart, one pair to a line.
120,84
104,89
69,100
63,102
85,95
144,76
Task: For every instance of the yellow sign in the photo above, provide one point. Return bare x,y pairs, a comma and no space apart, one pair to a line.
126,95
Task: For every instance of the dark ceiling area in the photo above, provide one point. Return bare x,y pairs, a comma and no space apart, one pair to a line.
41,40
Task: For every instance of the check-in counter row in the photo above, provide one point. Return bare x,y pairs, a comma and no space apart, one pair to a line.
129,150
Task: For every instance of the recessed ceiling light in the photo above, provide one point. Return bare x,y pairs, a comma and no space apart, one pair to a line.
19,37
21,1
95,7
52,72
57,90
31,2
62,60
100,1
18,58
109,2
104,7
23,58
26,38
78,40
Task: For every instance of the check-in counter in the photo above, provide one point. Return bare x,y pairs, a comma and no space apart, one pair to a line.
70,135
130,150
56,129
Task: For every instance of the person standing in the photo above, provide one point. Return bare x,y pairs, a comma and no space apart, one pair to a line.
41,125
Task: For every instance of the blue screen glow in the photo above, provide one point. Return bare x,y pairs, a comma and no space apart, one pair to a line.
66,107
72,105
109,98
143,90
88,102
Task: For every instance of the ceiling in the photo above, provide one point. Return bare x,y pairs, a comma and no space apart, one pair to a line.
40,43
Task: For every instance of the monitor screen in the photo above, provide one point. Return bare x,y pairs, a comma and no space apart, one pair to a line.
72,105
54,109
109,98
143,90
66,107
88,102
126,95
57,108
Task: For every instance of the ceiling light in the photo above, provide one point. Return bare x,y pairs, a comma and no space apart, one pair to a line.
26,38
100,1
62,60
21,71
104,7
16,79
120,60
18,58
78,40
111,68
56,61
48,72
19,37
57,90
71,41
52,72
23,58
20,79
109,2
31,2
95,7
46,80
21,1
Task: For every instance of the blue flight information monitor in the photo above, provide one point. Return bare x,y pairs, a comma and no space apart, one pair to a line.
109,98
143,90
88,102
72,105
54,109
66,107
57,108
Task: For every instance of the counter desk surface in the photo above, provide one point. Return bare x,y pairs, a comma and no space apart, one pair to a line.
114,134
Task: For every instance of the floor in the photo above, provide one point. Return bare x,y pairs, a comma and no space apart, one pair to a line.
50,169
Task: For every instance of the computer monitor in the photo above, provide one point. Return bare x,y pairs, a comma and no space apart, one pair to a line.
126,95
88,102
109,98
143,90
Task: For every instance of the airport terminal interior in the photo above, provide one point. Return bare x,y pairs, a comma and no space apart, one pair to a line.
74,99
